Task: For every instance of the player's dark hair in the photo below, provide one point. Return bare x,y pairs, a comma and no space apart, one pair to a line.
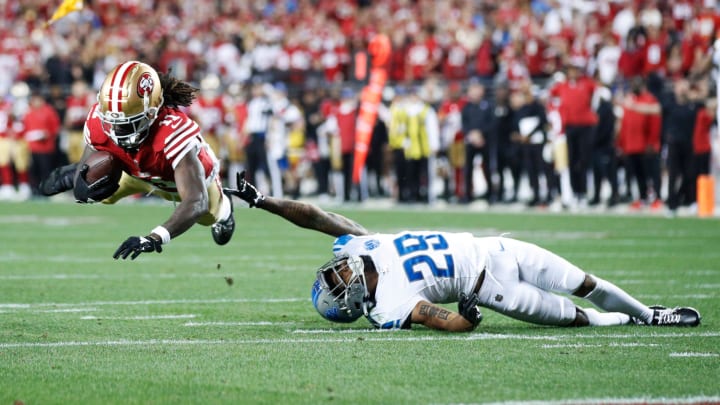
176,93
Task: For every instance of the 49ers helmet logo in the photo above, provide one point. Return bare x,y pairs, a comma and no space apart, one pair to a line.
145,85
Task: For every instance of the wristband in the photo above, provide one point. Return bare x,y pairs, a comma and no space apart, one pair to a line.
163,233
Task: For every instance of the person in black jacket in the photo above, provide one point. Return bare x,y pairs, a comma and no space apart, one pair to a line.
679,111
479,129
532,123
604,156
509,155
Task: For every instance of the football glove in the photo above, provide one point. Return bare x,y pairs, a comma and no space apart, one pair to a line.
245,191
59,180
468,308
99,190
135,245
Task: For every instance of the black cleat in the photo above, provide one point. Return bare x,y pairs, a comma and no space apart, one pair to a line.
678,316
59,180
222,231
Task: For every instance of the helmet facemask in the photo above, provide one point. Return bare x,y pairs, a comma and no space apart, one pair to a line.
129,132
338,299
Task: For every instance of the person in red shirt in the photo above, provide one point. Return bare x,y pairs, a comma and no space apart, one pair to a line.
77,105
701,138
579,120
342,120
452,140
41,126
639,135
137,120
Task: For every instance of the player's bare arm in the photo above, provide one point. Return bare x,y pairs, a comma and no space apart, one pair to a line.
194,200
436,317
310,216
302,214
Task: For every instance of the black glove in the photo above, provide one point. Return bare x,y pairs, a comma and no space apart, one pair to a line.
59,180
468,308
99,190
137,245
245,191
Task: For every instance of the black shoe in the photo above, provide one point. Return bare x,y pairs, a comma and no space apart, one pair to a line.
678,316
595,201
222,231
59,180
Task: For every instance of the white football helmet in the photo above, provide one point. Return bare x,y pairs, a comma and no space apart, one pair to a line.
337,300
128,103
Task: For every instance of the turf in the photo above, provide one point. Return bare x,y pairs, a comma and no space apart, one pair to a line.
201,323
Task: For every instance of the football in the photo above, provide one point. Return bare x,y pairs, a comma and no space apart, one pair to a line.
101,164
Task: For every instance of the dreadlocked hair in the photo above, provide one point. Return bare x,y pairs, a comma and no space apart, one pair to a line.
176,93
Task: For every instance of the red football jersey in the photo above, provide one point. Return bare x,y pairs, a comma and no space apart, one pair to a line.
172,137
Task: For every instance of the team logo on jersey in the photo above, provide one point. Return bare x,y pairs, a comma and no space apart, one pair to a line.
372,244
498,298
145,85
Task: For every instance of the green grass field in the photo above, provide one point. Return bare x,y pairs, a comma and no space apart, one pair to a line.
206,324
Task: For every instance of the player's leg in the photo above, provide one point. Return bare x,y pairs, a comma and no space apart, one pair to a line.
129,185
7,184
503,291
551,272
220,215
21,162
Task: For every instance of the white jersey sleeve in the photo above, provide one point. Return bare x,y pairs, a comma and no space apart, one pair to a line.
413,267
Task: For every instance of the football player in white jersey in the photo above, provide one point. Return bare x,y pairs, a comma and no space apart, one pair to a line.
396,280
138,120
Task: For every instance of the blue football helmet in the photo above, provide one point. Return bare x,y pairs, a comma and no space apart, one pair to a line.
335,299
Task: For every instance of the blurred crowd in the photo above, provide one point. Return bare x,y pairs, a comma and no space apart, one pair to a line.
585,102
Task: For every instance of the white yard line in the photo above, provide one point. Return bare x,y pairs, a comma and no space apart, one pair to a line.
106,276
619,401
69,310
389,337
139,317
11,305
583,345
258,323
694,354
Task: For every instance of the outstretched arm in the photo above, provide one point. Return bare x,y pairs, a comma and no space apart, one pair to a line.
302,214
310,216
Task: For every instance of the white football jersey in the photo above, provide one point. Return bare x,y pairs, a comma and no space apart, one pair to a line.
416,266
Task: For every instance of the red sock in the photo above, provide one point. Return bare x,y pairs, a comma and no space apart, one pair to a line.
5,175
22,177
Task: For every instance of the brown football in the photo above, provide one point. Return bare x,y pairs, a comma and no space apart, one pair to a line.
102,163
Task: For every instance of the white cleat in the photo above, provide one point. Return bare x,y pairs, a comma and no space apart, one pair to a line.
7,193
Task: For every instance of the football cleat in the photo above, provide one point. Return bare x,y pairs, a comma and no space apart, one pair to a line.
222,231
678,316
59,180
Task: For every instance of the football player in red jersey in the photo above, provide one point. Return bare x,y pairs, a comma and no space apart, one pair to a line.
137,119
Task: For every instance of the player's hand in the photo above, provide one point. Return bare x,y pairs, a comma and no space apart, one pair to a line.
468,308
245,191
97,191
59,180
135,245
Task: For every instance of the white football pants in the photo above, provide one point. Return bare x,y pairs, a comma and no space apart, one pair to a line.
520,280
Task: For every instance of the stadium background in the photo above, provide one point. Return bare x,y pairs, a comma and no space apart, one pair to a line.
321,47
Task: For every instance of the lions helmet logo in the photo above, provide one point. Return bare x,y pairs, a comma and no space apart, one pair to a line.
145,85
